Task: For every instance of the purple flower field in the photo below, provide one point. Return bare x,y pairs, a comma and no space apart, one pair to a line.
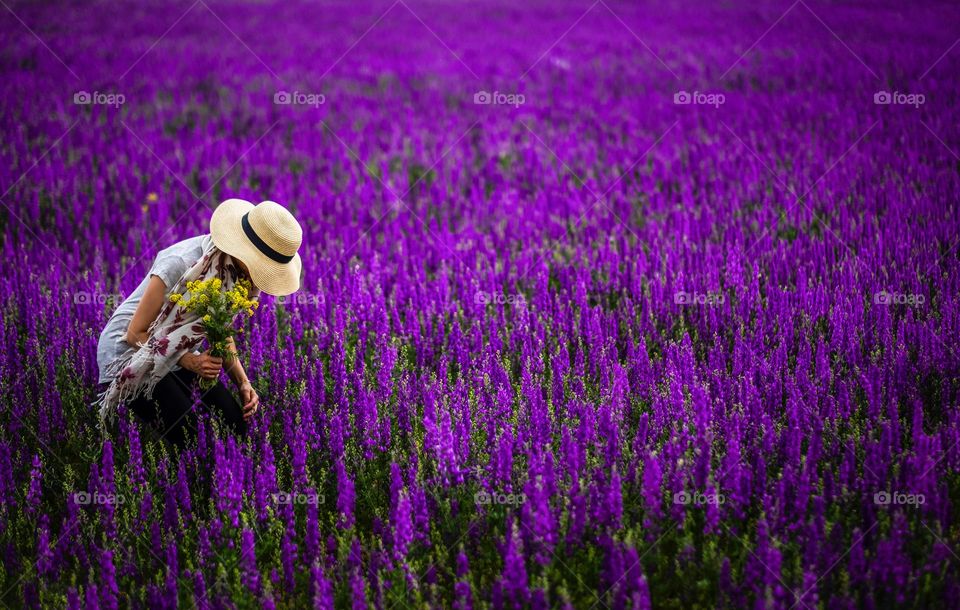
605,305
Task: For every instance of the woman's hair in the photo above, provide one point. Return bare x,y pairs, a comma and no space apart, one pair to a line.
242,271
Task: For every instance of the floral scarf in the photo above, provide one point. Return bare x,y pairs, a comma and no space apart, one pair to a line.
174,333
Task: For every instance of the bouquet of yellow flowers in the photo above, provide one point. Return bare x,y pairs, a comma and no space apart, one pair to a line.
217,310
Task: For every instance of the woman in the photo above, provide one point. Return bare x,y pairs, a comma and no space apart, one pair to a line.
146,352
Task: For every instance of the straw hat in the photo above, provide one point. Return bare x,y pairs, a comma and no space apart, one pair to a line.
265,238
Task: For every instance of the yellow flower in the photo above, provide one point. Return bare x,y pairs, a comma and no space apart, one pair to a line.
206,318
175,297
152,197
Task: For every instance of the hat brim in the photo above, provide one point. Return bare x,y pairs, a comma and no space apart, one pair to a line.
277,279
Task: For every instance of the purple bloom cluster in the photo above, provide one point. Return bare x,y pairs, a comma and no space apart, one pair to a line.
603,305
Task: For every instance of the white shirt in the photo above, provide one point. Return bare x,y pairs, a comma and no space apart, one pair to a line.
170,265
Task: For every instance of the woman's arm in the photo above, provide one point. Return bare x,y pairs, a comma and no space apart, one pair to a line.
146,312
235,368
247,394
205,365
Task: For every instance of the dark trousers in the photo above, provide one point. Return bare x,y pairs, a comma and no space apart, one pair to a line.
172,407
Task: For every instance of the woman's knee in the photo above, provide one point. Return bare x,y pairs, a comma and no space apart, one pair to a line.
222,403
169,408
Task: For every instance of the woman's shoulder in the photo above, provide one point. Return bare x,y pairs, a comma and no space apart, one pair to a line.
185,248
173,261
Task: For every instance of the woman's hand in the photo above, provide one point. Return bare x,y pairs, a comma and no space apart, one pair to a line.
250,399
248,396
204,365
